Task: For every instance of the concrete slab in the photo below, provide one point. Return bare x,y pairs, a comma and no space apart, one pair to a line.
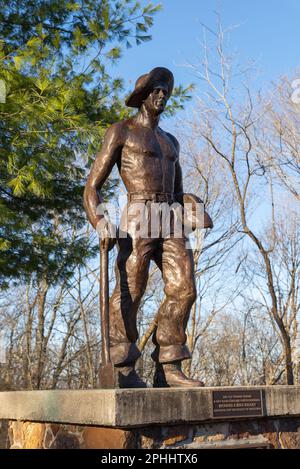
129,408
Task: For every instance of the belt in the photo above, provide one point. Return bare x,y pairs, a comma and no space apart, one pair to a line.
154,197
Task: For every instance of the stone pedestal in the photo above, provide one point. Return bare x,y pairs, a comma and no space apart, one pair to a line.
150,418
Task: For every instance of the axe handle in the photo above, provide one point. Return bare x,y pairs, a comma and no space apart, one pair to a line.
104,304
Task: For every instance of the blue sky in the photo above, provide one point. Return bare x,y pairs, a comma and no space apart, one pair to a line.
268,32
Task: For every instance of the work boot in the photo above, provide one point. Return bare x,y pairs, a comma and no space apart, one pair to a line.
127,377
170,375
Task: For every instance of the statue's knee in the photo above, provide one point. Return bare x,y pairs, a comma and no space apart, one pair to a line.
184,292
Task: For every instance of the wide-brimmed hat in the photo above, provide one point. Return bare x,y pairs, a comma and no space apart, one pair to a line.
145,83
195,215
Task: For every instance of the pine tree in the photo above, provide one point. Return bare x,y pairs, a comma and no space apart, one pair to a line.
60,99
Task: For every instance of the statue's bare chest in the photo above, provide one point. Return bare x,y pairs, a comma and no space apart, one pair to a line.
145,143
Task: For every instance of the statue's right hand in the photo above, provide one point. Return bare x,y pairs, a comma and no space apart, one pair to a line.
107,234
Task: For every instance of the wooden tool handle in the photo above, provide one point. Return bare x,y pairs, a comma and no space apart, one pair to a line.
104,303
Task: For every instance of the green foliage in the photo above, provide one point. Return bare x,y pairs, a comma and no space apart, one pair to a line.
179,96
60,99
77,25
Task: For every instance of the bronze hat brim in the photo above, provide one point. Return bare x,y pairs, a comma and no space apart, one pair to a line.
194,200
145,83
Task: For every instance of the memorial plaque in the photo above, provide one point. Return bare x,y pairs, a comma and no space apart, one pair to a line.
243,403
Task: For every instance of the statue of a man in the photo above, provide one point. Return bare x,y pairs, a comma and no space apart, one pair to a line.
148,163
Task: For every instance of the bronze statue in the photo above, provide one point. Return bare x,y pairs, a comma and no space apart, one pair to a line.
148,163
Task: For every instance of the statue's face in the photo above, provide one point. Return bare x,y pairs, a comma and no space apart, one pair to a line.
157,99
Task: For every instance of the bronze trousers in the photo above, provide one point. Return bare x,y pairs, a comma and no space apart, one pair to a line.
175,261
